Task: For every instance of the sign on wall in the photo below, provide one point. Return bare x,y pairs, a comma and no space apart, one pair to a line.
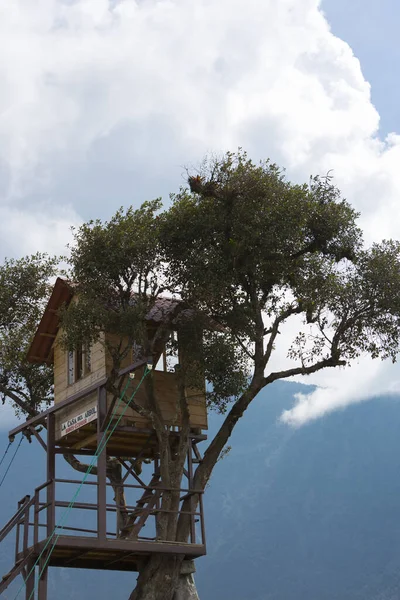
79,421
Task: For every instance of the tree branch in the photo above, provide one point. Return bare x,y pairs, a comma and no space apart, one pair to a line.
212,453
275,327
322,364
78,465
23,404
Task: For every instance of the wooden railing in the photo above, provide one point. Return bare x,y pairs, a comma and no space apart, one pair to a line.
37,518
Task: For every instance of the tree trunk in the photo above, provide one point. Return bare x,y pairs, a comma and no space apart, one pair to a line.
166,577
186,588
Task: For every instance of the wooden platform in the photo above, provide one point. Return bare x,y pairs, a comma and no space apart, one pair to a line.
125,441
117,555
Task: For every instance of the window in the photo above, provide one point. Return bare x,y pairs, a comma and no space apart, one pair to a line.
87,360
169,356
71,367
79,363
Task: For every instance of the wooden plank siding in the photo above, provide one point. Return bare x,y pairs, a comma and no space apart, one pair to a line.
167,397
164,386
62,389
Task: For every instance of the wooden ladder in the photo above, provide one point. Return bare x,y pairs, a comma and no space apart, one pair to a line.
144,507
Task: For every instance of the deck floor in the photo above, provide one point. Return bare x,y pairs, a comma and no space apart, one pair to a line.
118,555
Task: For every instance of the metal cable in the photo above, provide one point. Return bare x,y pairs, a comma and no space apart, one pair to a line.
11,461
5,453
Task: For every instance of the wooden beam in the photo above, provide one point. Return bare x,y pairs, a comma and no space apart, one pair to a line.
67,402
49,335
85,442
101,466
39,439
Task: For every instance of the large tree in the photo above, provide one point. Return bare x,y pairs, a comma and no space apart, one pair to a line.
248,251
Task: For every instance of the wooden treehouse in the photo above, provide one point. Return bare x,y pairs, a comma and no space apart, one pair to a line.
92,536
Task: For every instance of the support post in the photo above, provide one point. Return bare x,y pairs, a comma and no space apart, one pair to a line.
26,532
36,519
190,486
158,501
30,580
101,465
42,585
203,529
51,473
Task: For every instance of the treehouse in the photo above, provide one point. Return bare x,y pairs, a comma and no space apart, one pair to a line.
89,420
84,370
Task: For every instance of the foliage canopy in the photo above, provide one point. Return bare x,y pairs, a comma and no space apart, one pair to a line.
243,251
24,288
246,250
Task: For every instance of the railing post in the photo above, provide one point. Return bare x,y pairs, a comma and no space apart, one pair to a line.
17,534
101,465
36,519
190,486
30,580
26,531
42,583
51,473
203,529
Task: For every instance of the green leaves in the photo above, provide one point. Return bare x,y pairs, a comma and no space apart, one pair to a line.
117,254
117,270
24,291
226,368
246,250
247,247
252,229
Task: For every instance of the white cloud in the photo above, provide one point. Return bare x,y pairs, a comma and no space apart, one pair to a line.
339,388
23,232
102,103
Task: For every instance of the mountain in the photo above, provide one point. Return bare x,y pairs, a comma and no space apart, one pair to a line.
305,514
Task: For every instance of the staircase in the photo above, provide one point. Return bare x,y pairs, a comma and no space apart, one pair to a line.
144,506
19,567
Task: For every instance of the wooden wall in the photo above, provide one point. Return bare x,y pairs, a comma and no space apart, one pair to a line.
164,386
167,396
62,389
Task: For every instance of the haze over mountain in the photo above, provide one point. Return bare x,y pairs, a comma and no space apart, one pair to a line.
310,513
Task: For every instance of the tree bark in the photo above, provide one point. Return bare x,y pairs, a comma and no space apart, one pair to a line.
159,578
166,577
186,588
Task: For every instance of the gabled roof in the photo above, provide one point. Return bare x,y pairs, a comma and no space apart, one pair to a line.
41,349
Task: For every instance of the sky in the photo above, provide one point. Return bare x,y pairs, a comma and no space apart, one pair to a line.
104,103
370,28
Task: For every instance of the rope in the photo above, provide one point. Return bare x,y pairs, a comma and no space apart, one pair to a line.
11,461
5,453
64,517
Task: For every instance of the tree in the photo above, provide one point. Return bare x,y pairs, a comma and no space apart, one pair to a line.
24,288
247,251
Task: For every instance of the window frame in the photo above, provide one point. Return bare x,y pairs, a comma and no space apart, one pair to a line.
78,365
